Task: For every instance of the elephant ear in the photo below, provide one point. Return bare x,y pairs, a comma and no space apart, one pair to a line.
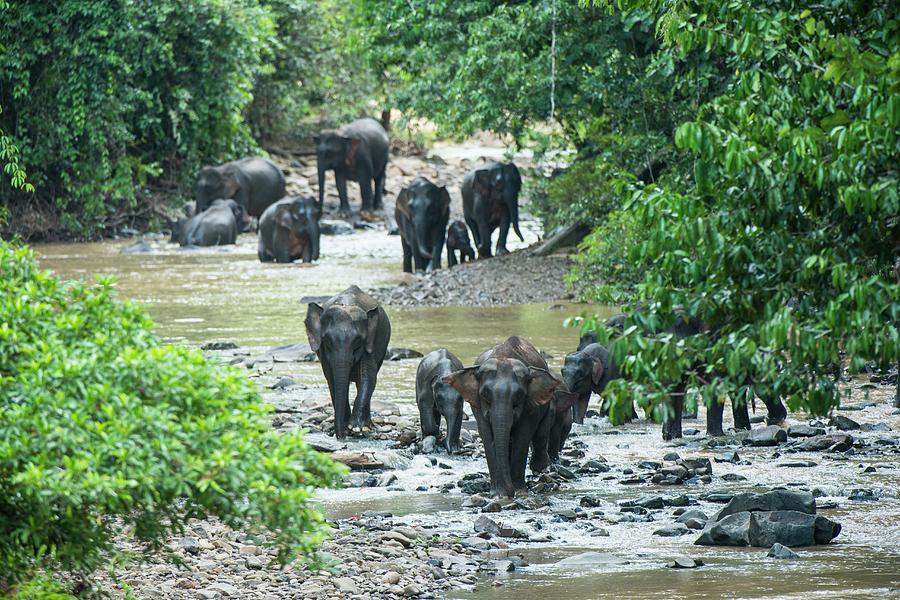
402,204
597,371
565,400
445,199
371,329
230,184
541,386
466,383
482,182
314,325
283,217
352,145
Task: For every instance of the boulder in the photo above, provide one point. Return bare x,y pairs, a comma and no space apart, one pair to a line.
766,436
676,530
834,441
790,528
335,227
687,515
843,423
358,460
485,524
685,562
804,431
732,530
773,500
781,552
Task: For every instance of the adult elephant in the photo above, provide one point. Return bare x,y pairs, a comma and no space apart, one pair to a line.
510,390
288,230
254,183
216,226
358,151
350,335
422,213
490,200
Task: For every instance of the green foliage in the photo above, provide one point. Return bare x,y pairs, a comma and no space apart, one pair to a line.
39,588
782,240
105,430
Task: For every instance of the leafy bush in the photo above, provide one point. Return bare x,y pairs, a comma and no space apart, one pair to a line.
105,430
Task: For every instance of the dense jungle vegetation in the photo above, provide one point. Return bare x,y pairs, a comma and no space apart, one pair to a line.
737,160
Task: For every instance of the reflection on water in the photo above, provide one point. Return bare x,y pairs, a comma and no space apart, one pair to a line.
226,294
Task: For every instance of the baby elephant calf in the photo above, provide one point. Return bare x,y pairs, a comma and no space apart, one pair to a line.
458,240
436,399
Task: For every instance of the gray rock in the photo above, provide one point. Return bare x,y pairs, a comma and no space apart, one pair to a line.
283,383
863,495
391,578
733,530
843,423
804,431
411,590
671,457
649,502
224,588
219,346
766,436
685,562
835,441
476,542
484,524
492,507
781,552
139,247
474,501
698,515
727,457
672,530
428,444
402,354
773,500
695,523
733,477
790,528
335,227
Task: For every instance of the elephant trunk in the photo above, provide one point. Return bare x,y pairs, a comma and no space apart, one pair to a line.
420,230
423,249
341,389
501,428
321,185
581,407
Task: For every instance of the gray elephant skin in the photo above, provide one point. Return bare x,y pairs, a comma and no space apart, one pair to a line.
289,230
218,225
562,411
458,242
254,183
422,212
510,390
437,399
350,334
491,200
589,370
358,151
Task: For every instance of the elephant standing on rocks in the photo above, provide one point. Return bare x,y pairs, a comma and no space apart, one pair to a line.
562,410
358,151
218,225
458,241
437,399
589,370
422,212
350,335
490,200
253,182
288,230
510,390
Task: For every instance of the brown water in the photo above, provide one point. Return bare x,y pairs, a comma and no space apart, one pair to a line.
226,294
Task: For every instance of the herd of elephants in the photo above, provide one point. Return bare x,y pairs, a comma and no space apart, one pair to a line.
228,196
518,403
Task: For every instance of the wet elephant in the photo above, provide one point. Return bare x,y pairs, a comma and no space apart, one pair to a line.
589,370
358,151
458,241
422,213
289,230
437,399
510,390
491,200
350,335
562,410
254,183
218,225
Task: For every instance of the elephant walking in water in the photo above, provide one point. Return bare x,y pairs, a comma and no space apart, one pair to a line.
422,213
218,225
350,335
511,392
288,230
437,399
358,151
253,182
490,200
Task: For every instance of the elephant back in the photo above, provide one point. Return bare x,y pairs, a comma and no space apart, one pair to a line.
517,348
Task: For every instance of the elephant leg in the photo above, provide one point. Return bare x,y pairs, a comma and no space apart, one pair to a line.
484,249
487,439
540,442
418,259
671,428
740,412
714,419
361,417
451,257
453,431
407,256
554,441
340,180
473,227
365,189
378,201
501,239
436,252
426,418
774,407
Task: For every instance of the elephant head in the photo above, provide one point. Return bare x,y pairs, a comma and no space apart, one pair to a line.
240,213
501,392
501,182
341,336
213,183
582,373
296,228
449,403
424,205
334,151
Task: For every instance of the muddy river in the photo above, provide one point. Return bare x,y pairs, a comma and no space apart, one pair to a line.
197,296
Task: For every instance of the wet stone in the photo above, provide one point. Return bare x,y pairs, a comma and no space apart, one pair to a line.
679,500
590,502
672,530
727,457
804,431
766,436
219,346
781,552
475,501
671,457
428,444
836,442
485,524
733,477
843,423
718,497
492,507
798,464
685,562
862,495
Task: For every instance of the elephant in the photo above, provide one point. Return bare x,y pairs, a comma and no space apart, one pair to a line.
350,334
490,200
510,390
563,415
357,151
288,230
437,399
590,369
254,183
422,212
458,240
215,226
